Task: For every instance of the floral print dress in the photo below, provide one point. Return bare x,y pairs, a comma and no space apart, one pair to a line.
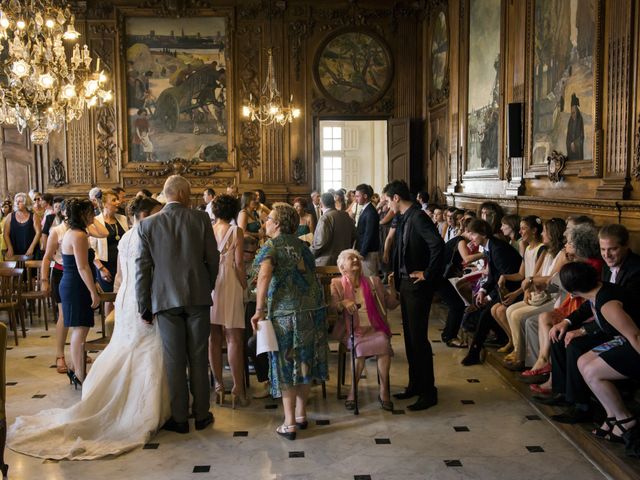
296,307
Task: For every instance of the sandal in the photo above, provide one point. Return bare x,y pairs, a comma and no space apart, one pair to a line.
287,431
302,423
601,432
61,365
457,343
350,404
612,437
386,405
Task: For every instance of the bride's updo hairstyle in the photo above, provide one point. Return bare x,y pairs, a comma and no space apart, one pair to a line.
140,205
78,210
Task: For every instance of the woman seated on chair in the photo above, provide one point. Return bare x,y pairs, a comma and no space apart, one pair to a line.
366,299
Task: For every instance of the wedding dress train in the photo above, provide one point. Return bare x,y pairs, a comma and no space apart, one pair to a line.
125,397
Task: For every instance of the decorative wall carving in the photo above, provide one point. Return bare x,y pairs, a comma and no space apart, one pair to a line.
636,154
177,8
57,174
178,166
198,182
555,164
298,171
106,147
299,31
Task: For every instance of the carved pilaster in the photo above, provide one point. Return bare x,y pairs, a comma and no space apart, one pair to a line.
299,31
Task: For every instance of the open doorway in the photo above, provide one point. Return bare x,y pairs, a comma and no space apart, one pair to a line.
353,152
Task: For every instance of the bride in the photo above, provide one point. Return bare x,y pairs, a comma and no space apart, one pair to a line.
124,397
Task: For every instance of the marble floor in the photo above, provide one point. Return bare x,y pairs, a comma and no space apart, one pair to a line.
481,429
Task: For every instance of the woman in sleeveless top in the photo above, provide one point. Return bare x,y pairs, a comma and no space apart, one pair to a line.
77,287
306,226
21,230
531,234
248,219
228,307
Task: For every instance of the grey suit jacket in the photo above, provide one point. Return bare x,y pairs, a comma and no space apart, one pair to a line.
334,233
178,261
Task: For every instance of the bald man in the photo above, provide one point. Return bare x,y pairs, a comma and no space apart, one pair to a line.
176,272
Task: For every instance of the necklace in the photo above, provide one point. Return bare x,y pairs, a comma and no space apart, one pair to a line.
115,229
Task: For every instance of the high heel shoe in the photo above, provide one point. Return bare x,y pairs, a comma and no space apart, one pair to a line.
4,468
70,374
386,405
220,394
287,431
242,401
76,382
474,357
61,365
302,423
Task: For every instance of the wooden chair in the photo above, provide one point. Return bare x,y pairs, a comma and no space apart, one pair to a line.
33,295
105,297
324,276
91,346
10,301
19,259
8,264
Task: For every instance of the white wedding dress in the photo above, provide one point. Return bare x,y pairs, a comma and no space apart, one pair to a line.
125,396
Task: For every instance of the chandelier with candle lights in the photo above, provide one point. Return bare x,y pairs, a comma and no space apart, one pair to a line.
46,78
268,109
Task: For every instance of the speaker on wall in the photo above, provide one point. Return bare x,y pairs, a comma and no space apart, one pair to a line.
514,129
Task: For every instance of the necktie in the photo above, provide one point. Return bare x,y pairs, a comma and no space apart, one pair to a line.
318,211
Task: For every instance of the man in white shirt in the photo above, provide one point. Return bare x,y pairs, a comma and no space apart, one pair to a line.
315,209
207,196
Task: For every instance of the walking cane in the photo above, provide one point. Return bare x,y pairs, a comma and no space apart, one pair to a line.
353,366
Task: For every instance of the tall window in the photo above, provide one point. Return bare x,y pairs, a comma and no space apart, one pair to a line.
331,158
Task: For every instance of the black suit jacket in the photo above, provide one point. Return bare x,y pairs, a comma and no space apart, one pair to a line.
368,231
628,277
421,247
311,209
503,260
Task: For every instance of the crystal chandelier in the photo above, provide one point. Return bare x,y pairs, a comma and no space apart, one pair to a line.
41,86
269,109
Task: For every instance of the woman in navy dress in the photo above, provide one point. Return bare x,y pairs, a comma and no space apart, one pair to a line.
77,287
21,229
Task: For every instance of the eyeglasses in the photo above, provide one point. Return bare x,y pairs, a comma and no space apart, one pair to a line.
37,199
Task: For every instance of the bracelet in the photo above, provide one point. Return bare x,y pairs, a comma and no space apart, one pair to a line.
260,309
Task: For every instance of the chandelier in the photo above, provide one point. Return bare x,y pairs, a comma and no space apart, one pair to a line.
44,82
269,109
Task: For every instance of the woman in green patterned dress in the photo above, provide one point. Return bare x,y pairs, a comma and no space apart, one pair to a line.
289,295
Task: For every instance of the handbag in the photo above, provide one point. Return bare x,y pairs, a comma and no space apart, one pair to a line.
537,299
266,340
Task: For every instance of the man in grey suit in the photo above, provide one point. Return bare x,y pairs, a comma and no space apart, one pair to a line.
334,233
176,272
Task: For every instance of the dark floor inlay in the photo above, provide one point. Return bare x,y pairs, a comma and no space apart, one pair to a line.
323,422
453,463
52,366
473,380
467,402
436,341
241,434
271,406
535,448
362,477
383,441
40,395
67,343
461,429
396,334
397,412
151,446
296,454
94,351
45,336
30,356
533,417
201,469
9,348
11,384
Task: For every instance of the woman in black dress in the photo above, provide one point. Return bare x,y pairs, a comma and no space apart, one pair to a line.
615,314
77,288
21,229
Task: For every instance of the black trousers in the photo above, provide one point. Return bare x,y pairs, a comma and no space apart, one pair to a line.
566,378
454,303
486,323
260,362
415,303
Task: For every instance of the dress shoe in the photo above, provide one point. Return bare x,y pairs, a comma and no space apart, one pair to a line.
573,415
472,358
405,395
179,427
556,400
516,366
424,402
205,422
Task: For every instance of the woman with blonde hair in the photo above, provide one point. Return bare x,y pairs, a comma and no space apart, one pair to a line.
364,298
21,230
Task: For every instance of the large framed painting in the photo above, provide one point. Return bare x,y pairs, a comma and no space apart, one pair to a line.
353,67
439,48
176,88
564,68
484,77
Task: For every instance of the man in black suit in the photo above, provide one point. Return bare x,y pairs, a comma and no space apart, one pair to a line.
368,228
315,207
578,336
503,259
418,262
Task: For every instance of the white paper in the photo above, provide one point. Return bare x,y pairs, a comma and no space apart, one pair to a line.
266,338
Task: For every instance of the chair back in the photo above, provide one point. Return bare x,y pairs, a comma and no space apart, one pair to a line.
20,259
8,264
10,284
324,275
33,268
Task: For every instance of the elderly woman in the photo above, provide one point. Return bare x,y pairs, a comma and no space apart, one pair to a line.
366,299
21,228
289,295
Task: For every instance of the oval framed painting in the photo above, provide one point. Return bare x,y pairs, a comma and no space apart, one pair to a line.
353,66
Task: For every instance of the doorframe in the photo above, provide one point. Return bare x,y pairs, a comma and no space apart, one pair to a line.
315,138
